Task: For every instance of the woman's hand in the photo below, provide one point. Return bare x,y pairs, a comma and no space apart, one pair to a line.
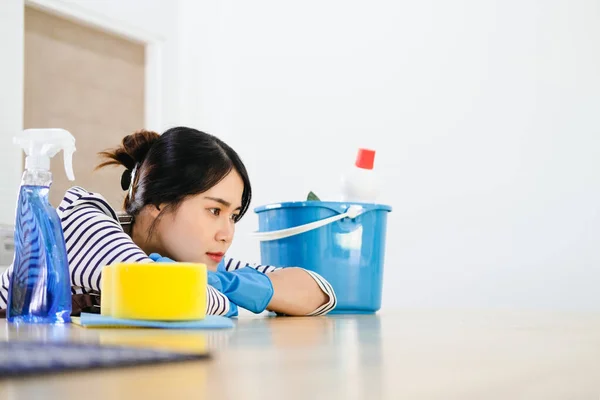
295,292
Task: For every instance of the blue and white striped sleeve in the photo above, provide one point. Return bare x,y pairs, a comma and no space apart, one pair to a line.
94,238
232,264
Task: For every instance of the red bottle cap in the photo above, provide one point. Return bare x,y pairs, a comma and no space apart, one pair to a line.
365,158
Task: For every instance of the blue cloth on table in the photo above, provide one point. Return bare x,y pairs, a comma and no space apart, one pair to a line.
209,322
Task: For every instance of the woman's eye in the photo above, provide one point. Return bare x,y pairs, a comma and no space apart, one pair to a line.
235,217
215,211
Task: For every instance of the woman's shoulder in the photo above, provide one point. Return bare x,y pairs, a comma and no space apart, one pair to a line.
77,197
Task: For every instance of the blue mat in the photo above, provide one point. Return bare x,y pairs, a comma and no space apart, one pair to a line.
19,359
100,321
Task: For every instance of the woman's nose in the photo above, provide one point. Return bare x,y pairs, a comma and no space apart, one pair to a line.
225,232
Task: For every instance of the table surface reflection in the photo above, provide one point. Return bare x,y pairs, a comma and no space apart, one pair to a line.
391,355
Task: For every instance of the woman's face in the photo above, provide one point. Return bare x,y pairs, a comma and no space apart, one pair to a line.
202,228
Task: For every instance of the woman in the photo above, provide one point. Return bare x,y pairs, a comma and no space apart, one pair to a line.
186,189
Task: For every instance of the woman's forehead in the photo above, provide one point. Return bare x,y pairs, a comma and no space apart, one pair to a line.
229,190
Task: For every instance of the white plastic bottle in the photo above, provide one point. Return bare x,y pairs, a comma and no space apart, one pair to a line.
360,184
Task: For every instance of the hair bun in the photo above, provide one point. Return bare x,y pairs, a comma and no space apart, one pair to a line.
133,150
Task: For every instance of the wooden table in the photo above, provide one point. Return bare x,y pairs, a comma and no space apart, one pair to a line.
393,355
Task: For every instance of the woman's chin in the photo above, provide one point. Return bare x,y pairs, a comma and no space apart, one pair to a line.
212,267
210,264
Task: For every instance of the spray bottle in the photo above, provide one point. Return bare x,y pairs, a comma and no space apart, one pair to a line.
40,285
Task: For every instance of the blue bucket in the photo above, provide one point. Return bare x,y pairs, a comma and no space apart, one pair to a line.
342,242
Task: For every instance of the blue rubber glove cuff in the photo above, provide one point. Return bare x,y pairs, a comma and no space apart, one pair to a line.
233,310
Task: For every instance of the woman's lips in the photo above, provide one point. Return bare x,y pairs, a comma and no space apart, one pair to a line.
216,257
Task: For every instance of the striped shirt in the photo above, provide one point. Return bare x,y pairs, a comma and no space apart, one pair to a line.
95,238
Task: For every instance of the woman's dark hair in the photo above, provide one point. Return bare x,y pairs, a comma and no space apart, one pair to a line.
168,168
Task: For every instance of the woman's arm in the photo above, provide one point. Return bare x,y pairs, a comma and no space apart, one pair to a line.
296,291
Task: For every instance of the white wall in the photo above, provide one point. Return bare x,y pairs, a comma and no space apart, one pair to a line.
483,113
493,166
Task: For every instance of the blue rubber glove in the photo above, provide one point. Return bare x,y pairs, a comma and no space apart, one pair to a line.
246,287
158,258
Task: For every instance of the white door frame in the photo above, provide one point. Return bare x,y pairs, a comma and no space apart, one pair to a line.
153,90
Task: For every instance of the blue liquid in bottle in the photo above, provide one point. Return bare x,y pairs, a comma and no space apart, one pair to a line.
40,287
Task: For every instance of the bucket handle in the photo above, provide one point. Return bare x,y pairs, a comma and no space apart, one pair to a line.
351,212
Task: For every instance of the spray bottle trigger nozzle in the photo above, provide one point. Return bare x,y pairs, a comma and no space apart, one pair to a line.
68,157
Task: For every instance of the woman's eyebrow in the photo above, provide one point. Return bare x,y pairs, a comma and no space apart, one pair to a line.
221,201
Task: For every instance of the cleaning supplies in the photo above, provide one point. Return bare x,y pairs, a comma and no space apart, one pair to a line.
154,291
40,285
360,184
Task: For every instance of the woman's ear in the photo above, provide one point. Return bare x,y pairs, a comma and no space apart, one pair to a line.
153,210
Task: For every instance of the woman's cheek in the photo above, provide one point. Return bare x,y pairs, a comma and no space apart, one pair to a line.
182,247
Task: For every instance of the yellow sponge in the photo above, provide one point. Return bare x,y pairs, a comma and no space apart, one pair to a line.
156,291
106,291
